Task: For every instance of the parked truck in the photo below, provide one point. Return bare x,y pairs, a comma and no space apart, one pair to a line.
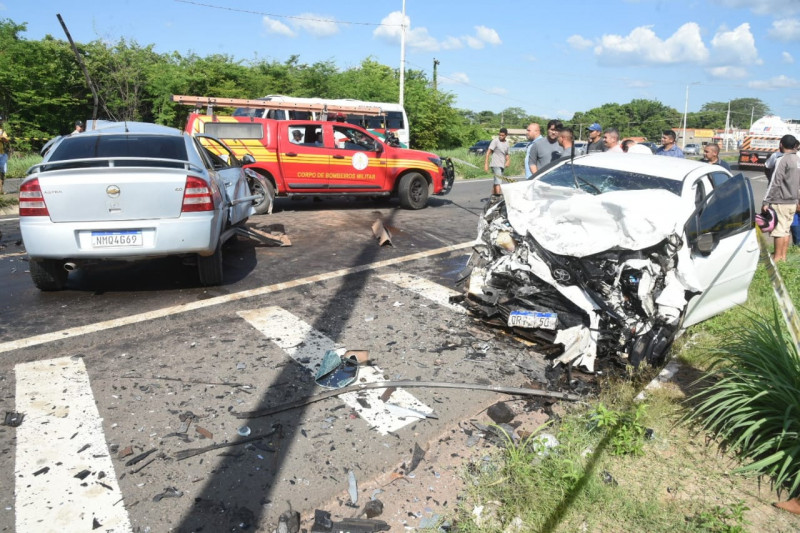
324,157
763,140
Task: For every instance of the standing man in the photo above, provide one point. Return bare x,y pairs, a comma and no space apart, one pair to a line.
547,149
566,140
669,148
782,194
595,139
534,133
78,127
5,145
611,140
498,152
711,155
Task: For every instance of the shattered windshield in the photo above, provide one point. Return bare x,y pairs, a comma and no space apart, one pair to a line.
602,180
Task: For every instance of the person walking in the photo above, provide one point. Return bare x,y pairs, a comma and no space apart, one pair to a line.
668,146
534,133
783,193
5,148
595,139
497,158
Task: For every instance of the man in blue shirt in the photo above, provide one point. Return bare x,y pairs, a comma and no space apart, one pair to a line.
711,155
669,148
534,133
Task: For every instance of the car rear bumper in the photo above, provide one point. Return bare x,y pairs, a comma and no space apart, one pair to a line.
191,233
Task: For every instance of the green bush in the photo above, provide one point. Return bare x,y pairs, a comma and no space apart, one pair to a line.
753,401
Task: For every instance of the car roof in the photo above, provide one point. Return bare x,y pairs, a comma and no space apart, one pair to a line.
674,168
107,126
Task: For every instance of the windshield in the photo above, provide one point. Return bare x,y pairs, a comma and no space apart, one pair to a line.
85,146
601,180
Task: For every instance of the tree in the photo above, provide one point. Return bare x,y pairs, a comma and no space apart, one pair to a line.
742,109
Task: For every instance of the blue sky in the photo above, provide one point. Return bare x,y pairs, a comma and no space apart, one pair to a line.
549,58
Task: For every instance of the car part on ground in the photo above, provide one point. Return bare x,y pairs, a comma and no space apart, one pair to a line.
605,256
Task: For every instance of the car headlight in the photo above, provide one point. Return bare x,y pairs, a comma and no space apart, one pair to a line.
436,161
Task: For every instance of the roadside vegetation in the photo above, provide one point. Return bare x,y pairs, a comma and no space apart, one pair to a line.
708,451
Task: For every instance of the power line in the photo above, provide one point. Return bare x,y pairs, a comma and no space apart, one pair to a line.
294,17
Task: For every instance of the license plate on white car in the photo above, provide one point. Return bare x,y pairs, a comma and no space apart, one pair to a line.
532,319
116,239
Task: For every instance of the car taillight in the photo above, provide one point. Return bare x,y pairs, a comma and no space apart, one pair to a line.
31,200
197,196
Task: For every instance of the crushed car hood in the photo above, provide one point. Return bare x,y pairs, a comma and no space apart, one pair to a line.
578,224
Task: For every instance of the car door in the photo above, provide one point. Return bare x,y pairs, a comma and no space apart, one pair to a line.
723,245
303,157
227,170
357,163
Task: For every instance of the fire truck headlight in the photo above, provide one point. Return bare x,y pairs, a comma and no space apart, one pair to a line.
436,161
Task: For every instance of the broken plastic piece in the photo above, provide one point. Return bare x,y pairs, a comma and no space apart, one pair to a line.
335,372
83,474
42,470
373,508
169,492
13,419
204,432
352,487
243,431
381,233
139,457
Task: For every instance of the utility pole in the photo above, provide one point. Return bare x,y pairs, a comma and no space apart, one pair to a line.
435,64
403,55
752,111
81,64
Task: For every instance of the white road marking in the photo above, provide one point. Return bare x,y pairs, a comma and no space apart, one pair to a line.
430,290
218,300
307,346
61,419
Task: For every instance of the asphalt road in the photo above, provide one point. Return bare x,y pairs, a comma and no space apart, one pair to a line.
152,350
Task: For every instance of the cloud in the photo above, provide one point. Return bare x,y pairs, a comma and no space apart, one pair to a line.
727,72
498,90
456,77
316,25
643,47
419,38
579,43
736,47
638,84
762,7
778,82
786,57
488,35
277,27
785,30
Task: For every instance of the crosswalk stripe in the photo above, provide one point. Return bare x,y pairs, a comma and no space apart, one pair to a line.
430,290
65,479
307,346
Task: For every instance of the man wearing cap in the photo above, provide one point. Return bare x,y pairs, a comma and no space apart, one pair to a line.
782,194
534,133
78,127
500,159
5,144
595,139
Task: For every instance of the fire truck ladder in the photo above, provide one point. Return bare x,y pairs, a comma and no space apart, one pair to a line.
210,102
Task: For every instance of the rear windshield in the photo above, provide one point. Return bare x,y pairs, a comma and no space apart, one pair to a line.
121,145
600,180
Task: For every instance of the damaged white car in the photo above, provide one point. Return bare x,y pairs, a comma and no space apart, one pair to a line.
612,254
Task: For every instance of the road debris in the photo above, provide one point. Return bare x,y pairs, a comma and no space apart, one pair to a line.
169,492
381,233
416,457
268,238
324,524
206,434
352,487
140,457
185,454
289,521
336,371
13,419
406,384
373,508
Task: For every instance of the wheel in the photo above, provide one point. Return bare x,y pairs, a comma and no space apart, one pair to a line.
209,267
413,191
48,275
263,205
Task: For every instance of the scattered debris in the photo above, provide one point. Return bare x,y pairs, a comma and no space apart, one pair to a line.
185,454
400,411
336,371
83,474
352,487
373,508
500,413
267,238
243,431
42,470
169,492
140,457
324,524
381,233
206,434
125,452
289,521
405,384
13,419
96,523
416,457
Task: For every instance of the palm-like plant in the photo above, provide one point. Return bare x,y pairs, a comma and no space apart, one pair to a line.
753,403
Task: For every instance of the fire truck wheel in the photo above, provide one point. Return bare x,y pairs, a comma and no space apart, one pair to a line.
413,191
261,206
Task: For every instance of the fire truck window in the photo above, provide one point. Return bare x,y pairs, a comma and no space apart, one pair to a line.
352,139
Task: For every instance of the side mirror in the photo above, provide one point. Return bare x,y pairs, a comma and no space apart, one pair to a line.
378,148
705,243
248,159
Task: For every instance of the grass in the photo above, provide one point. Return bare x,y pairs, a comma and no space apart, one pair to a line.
607,475
18,164
470,166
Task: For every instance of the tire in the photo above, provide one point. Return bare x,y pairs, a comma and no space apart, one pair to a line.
413,191
262,206
48,275
209,268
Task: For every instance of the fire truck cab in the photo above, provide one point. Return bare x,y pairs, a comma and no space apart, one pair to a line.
328,158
